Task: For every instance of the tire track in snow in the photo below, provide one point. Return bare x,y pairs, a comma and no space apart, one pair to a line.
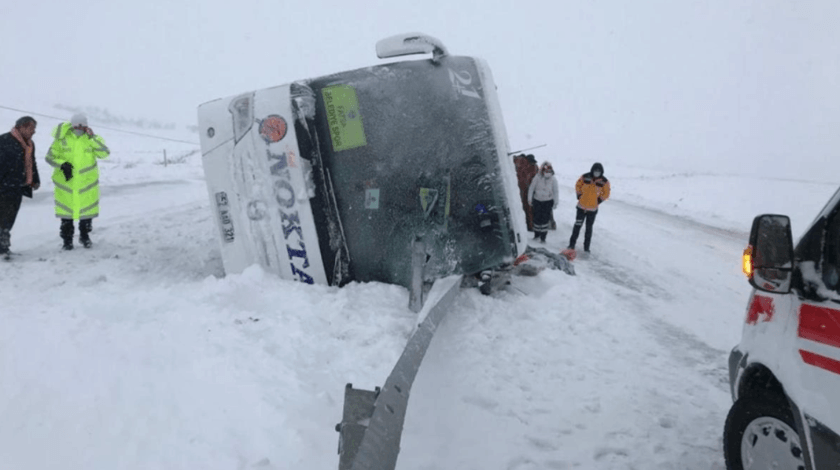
687,347
598,378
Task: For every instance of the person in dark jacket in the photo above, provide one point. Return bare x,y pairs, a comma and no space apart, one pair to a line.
592,189
18,175
526,170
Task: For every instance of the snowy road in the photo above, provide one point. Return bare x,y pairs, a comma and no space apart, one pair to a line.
623,366
134,355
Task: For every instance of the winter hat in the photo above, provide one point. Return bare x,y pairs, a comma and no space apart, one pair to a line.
78,119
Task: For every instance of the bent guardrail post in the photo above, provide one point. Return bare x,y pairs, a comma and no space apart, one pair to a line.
418,264
372,423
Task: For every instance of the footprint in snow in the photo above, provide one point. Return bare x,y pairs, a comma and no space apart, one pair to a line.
605,452
542,445
481,402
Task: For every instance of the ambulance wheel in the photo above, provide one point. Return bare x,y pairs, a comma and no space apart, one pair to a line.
760,433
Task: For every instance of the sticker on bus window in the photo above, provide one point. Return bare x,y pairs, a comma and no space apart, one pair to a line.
372,198
428,200
344,117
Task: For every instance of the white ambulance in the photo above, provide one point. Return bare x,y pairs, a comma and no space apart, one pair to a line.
785,373
335,179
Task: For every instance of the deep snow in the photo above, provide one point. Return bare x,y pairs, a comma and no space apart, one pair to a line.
140,354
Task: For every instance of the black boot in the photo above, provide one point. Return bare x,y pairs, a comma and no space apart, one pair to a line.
66,232
84,230
5,241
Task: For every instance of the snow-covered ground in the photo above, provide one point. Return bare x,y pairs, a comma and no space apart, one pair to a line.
140,354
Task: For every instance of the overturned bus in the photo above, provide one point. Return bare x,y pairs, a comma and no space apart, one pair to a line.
351,176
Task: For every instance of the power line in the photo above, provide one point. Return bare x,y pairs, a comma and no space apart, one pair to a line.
525,150
150,136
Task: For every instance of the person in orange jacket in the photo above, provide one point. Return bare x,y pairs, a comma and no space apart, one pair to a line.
592,189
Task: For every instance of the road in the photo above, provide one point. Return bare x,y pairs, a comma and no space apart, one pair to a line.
622,366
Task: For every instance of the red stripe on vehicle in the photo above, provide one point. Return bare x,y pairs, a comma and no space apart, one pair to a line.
759,306
822,362
820,324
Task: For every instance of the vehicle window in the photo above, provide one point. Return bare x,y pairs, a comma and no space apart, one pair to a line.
414,155
831,261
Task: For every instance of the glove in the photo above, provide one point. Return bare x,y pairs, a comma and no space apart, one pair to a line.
67,169
600,201
579,195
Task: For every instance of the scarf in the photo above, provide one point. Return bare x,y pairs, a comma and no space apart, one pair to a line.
27,155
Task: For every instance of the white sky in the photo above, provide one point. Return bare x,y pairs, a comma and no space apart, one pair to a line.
688,84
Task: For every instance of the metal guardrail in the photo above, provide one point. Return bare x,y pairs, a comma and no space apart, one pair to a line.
372,422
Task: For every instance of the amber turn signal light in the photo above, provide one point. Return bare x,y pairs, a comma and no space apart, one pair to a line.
747,261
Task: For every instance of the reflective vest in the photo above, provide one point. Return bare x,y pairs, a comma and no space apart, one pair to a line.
78,198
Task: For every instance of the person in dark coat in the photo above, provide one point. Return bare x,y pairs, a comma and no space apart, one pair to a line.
526,169
18,175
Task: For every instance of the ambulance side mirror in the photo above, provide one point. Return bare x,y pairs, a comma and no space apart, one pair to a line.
768,260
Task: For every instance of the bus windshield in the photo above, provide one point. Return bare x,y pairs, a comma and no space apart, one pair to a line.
409,152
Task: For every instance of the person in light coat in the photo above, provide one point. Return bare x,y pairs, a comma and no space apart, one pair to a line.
543,197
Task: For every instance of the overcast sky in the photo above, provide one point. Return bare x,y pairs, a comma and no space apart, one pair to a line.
676,83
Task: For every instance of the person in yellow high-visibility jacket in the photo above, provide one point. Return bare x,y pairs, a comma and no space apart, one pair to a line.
74,154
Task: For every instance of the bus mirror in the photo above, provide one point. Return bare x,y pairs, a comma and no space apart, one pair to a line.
770,254
410,43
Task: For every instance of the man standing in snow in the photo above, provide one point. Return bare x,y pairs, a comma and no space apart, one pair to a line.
543,195
18,175
592,189
73,154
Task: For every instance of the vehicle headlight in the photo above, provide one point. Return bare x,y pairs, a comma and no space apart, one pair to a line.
242,109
